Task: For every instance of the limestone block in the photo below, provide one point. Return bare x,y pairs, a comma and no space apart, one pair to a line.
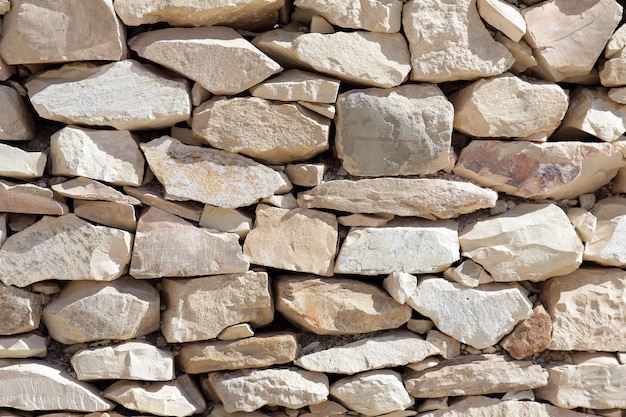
124,95
305,175
152,195
118,310
267,131
224,62
16,122
326,110
371,15
449,42
618,95
23,346
613,71
584,222
616,42
82,188
605,246
107,213
522,53
420,326
236,332
20,310
302,240
226,220
468,273
64,248
318,23
201,308
400,286
406,130
16,163
298,85
337,306
530,336
448,346
504,17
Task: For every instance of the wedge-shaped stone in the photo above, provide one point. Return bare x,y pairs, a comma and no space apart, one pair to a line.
430,198
248,390
530,336
475,375
481,315
337,306
129,360
400,286
152,195
119,310
366,58
168,246
23,346
306,175
567,38
504,17
540,170
253,352
507,106
522,53
82,188
211,176
605,246
297,85
179,398
468,273
64,248
201,308
16,122
124,95
224,62
371,15
20,310
530,242
267,132
29,199
388,350
415,247
16,163
449,42
401,131
107,213
300,240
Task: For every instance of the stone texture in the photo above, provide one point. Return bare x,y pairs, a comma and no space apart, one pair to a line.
210,176
468,273
226,220
236,332
224,62
530,336
64,248
366,220
337,306
305,175
201,308
298,85
400,286
82,188
107,213
481,315
616,42
401,131
16,163
448,346
267,131
129,360
618,95
613,71
300,240
20,310
605,246
422,197
152,195
522,53
16,123
23,346
441,46
29,199
118,310
584,222
124,95
530,242
539,170
326,110
372,15
504,17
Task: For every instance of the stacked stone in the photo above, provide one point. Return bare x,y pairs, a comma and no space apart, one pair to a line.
253,207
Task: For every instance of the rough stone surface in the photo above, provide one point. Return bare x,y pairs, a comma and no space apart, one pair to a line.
448,346
468,273
16,122
530,336
82,188
522,53
107,213
400,286
236,332
613,71
584,222
298,85
372,15
226,220
305,175
29,199
20,310
504,17
605,246
23,346
16,163
152,195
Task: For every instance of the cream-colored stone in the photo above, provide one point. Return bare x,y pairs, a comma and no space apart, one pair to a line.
468,273
584,222
305,175
223,61
82,188
226,220
400,286
504,17
23,346
319,24
613,71
285,201
16,122
605,246
326,110
327,408
29,199
152,195
108,213
236,332
124,95
522,53
449,347
218,410
6,70
184,134
297,85
530,336
16,163
618,95
20,310
420,326
365,220
199,95
616,42
371,15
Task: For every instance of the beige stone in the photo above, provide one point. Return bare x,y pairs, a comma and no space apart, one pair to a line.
504,17
118,310
152,195
267,131
298,85
584,222
20,310
82,188
306,174
3,228
16,163
285,201
616,42
210,176
530,336
16,122
300,240
326,110
185,135
124,95
327,408
371,15
468,273
605,247
318,23
337,306
6,70
522,53
224,62
400,286
23,346
226,220
201,308
618,95
5,6
108,213
29,199
420,326
365,220
236,332
449,347
613,71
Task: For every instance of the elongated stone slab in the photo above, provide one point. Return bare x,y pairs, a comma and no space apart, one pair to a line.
297,85
82,188
20,310
23,346
29,199
152,195
107,213
16,163
375,16
16,122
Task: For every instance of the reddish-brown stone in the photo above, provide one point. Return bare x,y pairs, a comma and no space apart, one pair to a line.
530,336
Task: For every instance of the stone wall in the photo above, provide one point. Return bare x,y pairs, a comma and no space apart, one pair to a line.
369,207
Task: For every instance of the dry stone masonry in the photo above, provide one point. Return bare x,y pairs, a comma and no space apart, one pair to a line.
312,208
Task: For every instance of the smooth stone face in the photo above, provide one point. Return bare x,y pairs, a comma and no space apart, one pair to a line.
400,286
522,53
530,242
201,308
448,346
16,163
481,315
584,222
605,246
441,46
82,188
305,175
372,15
108,213
226,220
23,346
298,85
124,95
530,336
468,273
20,310
336,306
16,122
504,17
119,310
64,248
236,332
224,62
267,132
613,71
152,195
29,199
401,131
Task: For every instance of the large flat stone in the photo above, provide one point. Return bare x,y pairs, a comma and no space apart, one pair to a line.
23,346
107,213
20,310
16,163
29,199
16,122
372,15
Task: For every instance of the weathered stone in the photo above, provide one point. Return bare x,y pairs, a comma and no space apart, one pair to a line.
107,213
253,352
448,346
475,375
23,346
420,326
200,308
327,408
285,201
267,131
481,315
584,222
399,247
16,123
387,350
6,70
180,397
152,195
522,53
530,336
539,170
119,310
300,240
449,42
20,310
365,220
504,17
236,332
226,220
297,85
530,242
401,131
400,286
211,176
124,95
468,273
372,15
337,306
64,248
613,71
618,95
82,188
16,163
5,6
507,106
422,197
616,42
130,360
318,23
366,58
326,110
248,390
305,175
605,246
224,62
29,199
